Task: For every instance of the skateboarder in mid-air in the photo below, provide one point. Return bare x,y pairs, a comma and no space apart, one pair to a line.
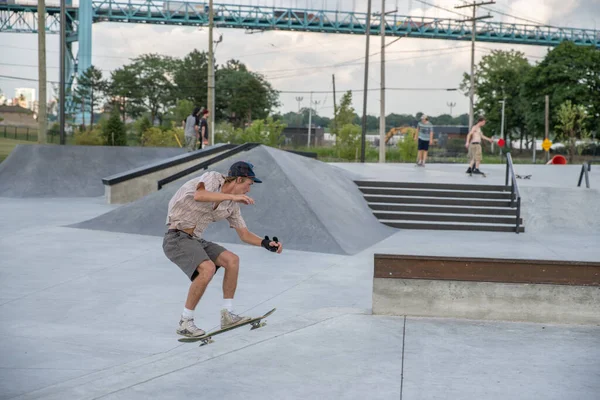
473,143
211,197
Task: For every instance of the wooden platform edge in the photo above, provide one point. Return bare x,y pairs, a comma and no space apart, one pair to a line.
576,273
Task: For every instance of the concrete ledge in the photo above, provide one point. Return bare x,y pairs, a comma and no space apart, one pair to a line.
487,301
555,272
131,185
489,289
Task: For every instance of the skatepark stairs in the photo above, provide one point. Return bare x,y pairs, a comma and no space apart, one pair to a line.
443,206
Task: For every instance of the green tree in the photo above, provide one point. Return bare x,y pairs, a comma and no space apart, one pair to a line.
568,72
113,131
347,141
500,76
178,114
408,146
345,114
268,132
89,137
125,92
191,78
154,77
225,132
571,125
90,89
156,137
243,96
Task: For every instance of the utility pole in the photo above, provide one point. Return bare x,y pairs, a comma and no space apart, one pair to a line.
299,100
211,75
334,104
62,55
473,27
547,121
309,118
366,85
382,91
502,122
451,105
42,107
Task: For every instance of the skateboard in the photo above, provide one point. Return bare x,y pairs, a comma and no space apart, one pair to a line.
481,173
206,339
523,176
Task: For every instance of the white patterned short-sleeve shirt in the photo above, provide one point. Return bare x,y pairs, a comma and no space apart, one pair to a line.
184,212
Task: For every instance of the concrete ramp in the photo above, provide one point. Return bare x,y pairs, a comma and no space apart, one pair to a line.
560,210
308,204
70,171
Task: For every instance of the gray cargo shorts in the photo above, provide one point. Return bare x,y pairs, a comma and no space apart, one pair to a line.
188,251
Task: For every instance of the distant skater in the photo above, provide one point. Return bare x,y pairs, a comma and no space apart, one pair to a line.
473,143
425,130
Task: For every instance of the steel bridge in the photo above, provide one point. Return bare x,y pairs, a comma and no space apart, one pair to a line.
22,18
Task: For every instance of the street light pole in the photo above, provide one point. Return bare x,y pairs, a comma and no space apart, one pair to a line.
366,85
382,110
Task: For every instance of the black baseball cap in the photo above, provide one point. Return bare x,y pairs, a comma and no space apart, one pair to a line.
244,169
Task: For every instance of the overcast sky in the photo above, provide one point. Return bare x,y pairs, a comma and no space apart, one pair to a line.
302,62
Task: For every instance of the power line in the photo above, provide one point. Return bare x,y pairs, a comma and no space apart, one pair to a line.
406,89
348,63
443,8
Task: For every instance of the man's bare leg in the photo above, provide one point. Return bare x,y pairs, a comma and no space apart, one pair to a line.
206,270
424,157
231,264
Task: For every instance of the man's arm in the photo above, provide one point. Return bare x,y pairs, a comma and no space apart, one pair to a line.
248,237
205,196
431,135
468,138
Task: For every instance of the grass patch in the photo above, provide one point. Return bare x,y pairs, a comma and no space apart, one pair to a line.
7,145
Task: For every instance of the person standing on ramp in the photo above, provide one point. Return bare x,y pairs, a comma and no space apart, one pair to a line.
209,198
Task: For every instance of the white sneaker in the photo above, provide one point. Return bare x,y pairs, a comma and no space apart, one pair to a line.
188,328
229,319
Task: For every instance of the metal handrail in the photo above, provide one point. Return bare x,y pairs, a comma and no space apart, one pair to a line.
206,164
585,168
515,195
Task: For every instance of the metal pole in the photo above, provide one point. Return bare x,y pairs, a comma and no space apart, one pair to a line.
547,124
472,89
42,107
451,105
474,5
382,110
501,124
62,55
309,118
211,75
366,85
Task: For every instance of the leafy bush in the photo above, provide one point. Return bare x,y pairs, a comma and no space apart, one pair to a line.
114,131
90,137
348,141
408,148
156,137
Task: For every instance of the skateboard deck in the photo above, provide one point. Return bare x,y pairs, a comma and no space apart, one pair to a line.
523,176
206,339
481,173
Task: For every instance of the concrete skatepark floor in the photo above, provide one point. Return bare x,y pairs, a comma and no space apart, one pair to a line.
89,314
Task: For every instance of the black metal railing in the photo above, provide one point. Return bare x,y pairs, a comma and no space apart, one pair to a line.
515,196
206,164
586,168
